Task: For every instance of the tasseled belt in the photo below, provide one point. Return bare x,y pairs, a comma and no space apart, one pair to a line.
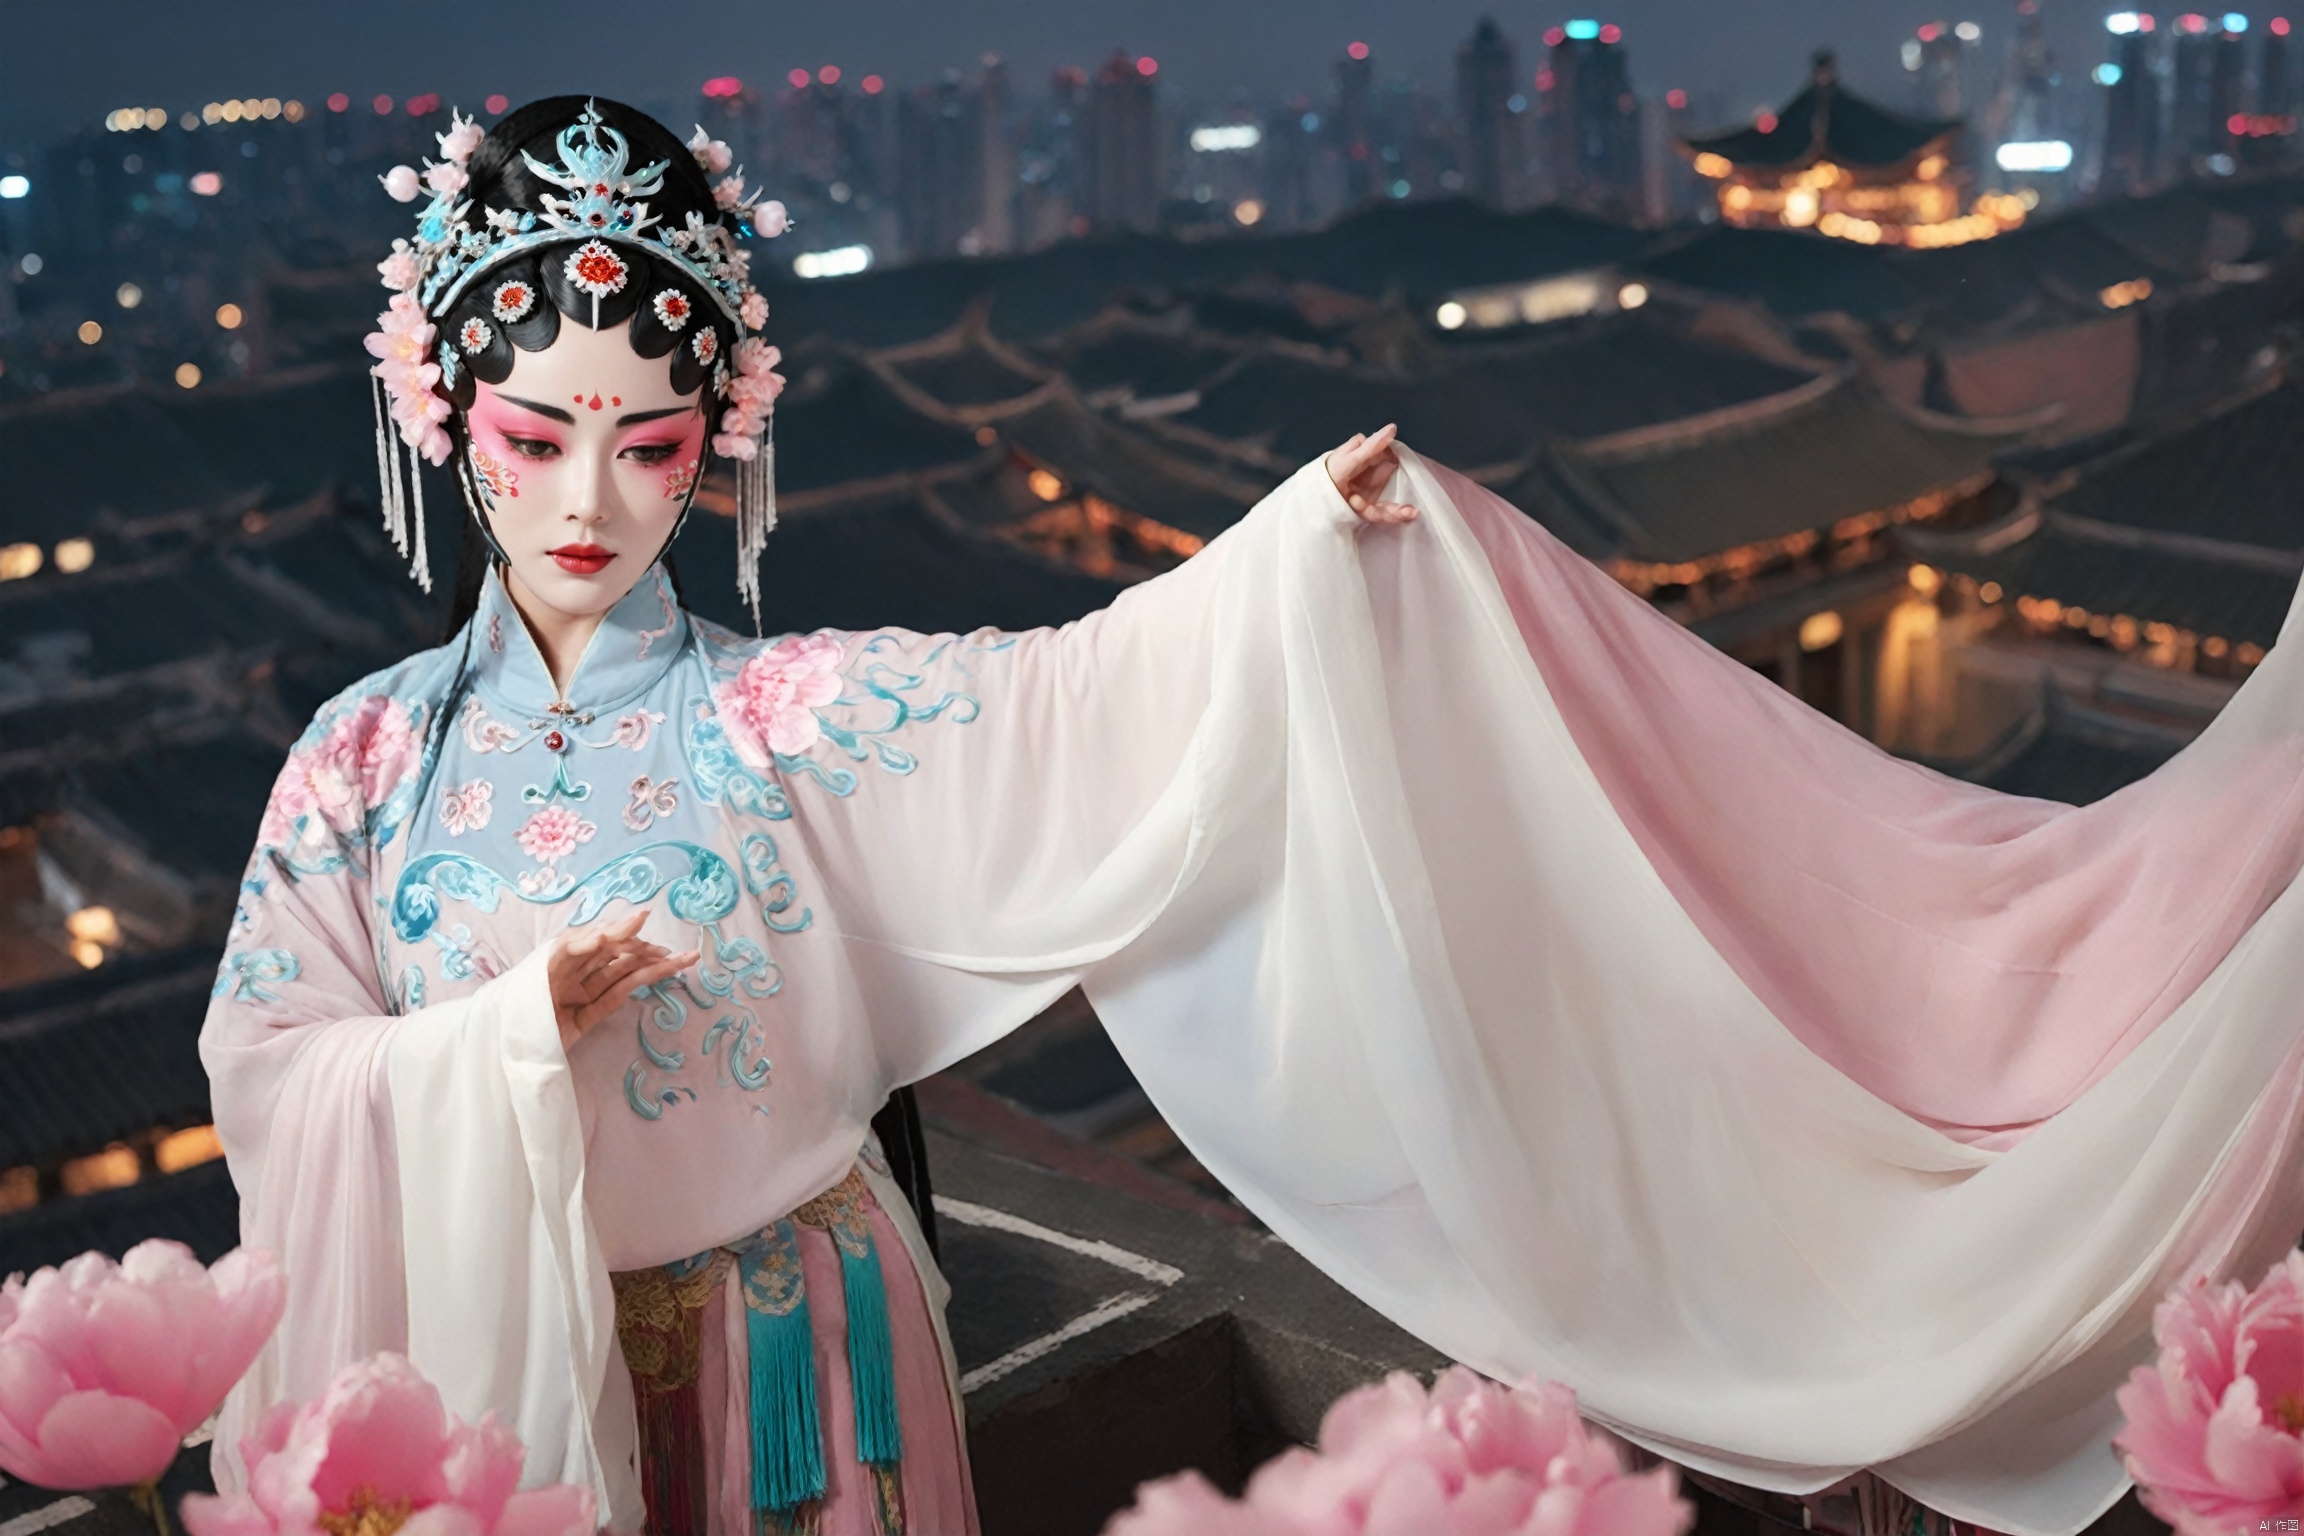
659,1321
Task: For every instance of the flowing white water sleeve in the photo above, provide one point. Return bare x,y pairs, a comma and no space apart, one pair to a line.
508,1297
1422,1002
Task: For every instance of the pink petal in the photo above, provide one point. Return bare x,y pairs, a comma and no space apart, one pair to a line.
482,1468
31,1383
96,1440
233,1514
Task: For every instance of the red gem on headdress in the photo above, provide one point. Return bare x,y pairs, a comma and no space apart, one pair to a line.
512,301
474,335
706,345
672,309
597,270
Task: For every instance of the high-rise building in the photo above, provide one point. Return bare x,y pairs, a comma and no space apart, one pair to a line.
940,168
2277,79
996,224
1120,147
1349,126
1590,119
2133,116
1489,112
2209,77
1944,59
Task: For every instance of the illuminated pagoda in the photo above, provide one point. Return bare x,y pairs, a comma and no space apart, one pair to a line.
1834,163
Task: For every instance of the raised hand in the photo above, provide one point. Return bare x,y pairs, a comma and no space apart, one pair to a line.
594,971
1361,469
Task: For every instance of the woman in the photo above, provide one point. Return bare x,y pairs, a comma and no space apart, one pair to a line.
1567,992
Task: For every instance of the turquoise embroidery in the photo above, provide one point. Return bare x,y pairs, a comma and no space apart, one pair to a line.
248,974
698,887
721,776
251,892
776,889
455,952
412,989
561,788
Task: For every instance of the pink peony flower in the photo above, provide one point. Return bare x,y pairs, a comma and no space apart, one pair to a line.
447,176
463,137
770,705
402,345
401,183
728,192
710,153
1469,1458
2215,1431
553,833
378,1451
770,220
467,807
105,1367
400,270
355,766
754,311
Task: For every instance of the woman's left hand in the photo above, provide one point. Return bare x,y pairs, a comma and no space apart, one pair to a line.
1361,469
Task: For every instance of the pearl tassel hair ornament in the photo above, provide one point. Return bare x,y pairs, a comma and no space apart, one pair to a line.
458,243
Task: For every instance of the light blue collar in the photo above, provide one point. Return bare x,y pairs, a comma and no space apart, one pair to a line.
635,644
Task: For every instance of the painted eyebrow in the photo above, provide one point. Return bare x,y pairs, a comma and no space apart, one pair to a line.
637,417
552,411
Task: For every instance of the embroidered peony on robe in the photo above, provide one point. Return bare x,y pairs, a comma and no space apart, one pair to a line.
1569,993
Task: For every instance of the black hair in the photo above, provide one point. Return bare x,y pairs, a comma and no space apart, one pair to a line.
501,180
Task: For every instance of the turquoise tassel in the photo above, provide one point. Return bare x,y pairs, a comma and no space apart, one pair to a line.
787,1442
871,1357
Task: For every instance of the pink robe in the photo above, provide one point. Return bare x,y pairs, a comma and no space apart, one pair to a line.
1566,991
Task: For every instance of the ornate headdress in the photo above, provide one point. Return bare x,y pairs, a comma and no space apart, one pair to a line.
458,244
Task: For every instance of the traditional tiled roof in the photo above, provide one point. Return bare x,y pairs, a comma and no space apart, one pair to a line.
2071,753
1488,407
1800,460
1828,122
2199,525
1429,248
1105,459
965,368
893,559
841,422
103,1056
197,1208
82,460
1133,357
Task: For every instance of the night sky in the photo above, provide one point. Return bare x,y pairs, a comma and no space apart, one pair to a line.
64,62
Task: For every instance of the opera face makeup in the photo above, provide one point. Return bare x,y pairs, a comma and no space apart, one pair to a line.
584,456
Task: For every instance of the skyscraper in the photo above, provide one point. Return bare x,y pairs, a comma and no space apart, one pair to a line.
1349,125
1590,119
940,168
2210,78
1487,70
1120,147
2132,109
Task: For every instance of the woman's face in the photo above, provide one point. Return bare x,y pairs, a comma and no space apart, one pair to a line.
584,457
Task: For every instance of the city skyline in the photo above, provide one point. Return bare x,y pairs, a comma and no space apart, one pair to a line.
53,79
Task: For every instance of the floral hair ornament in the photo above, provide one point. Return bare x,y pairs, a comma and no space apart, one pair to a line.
605,211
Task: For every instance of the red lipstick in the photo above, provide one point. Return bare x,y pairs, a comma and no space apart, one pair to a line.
582,559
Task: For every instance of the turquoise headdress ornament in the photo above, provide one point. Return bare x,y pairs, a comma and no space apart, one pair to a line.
604,208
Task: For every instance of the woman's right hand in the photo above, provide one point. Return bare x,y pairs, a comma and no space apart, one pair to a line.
594,971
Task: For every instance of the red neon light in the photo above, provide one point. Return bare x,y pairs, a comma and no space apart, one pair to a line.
1357,50
873,85
828,75
1147,66
1611,33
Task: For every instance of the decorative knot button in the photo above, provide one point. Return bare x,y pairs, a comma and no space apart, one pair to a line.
555,742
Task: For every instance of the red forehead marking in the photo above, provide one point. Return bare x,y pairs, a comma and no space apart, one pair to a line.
594,402
615,399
